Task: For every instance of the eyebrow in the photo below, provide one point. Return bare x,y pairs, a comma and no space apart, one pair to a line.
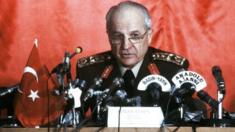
116,34
135,31
131,32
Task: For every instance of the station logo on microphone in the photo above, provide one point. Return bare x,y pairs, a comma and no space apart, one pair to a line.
189,77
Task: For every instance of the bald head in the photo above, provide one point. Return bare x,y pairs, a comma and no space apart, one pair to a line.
125,8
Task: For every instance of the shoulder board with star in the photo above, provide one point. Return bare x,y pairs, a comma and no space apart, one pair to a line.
94,59
170,57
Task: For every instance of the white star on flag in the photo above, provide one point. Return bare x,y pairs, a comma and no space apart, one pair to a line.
33,95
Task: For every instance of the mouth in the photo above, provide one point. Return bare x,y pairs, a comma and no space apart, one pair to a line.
127,55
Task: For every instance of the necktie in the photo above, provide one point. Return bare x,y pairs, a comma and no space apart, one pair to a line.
129,79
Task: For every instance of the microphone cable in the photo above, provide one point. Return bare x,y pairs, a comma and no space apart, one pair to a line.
119,119
167,109
48,95
162,127
79,127
168,104
48,104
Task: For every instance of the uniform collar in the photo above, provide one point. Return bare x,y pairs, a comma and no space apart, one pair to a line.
135,69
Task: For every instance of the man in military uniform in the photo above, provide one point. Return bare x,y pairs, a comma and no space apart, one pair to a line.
129,31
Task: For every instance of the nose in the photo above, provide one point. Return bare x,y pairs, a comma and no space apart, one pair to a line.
126,43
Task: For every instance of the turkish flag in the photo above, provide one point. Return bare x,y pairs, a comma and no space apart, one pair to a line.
35,103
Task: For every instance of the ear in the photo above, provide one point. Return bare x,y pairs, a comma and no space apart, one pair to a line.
149,35
109,38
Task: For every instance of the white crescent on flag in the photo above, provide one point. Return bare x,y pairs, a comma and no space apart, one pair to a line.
32,71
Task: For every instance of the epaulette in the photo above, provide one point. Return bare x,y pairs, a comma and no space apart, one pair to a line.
170,57
86,61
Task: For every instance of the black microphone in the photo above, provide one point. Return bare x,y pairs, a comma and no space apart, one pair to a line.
212,103
154,90
208,99
185,91
117,83
216,71
97,82
7,90
120,99
90,92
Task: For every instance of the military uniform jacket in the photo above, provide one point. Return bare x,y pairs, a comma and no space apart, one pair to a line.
168,65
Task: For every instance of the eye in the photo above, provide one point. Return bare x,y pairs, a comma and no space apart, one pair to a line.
135,34
116,35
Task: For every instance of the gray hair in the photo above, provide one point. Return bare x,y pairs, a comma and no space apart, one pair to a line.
113,9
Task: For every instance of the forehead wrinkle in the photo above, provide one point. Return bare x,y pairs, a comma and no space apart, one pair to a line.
129,20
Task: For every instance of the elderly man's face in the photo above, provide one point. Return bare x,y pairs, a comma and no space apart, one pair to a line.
129,37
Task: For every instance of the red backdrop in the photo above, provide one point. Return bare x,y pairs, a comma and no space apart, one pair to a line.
201,30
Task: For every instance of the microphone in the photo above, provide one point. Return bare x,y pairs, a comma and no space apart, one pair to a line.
78,50
217,73
186,90
117,83
89,94
65,65
191,77
121,94
97,82
186,83
120,99
204,96
154,90
153,85
158,79
8,90
208,99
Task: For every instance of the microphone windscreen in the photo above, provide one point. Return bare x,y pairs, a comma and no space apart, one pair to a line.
154,90
153,86
121,94
216,71
186,90
78,50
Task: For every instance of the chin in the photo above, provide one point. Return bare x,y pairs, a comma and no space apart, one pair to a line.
129,63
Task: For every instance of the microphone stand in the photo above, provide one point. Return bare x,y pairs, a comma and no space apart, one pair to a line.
179,100
181,109
220,98
220,106
65,71
75,116
98,102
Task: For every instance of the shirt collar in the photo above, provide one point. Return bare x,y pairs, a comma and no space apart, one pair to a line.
135,69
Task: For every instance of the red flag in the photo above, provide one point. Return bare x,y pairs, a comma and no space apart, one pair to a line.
31,103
